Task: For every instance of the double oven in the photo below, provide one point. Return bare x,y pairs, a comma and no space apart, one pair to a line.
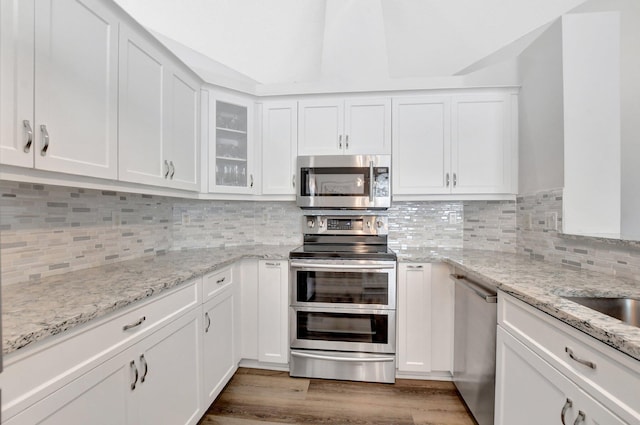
343,300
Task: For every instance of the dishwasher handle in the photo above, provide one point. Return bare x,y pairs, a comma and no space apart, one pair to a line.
486,294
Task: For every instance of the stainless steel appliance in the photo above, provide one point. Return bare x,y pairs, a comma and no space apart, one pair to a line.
343,300
474,362
344,181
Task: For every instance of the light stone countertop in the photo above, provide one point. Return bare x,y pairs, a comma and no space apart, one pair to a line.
34,310
541,285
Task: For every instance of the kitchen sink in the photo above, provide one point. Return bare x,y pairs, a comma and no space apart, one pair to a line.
624,309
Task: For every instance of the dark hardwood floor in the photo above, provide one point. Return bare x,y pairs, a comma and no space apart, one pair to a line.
262,397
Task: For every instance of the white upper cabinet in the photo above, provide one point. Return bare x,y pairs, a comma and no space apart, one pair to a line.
352,126
464,144
69,86
231,149
279,147
422,145
16,82
76,92
159,117
481,142
184,136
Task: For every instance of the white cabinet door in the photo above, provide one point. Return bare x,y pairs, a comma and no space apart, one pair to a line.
279,147
16,82
231,149
421,145
414,317
529,391
218,344
170,374
481,144
184,136
98,397
367,128
273,336
321,125
143,124
76,80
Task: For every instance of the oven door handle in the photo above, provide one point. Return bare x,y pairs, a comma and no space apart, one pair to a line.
342,359
297,265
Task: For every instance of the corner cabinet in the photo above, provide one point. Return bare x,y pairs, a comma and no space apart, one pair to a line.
159,116
349,127
70,126
425,320
572,377
279,147
463,144
231,145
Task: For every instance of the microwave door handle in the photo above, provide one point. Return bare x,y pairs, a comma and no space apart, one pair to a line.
370,181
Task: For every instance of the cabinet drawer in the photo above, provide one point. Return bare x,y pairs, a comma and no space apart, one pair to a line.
215,282
35,372
614,374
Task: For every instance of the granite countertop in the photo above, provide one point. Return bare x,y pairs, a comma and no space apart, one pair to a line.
541,284
32,311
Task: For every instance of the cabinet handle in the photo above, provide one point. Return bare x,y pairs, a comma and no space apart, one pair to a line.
293,181
581,418
206,316
567,404
251,178
578,359
45,138
221,281
346,141
446,178
143,362
29,131
166,164
134,324
132,365
414,267
173,170
269,263
455,179
340,141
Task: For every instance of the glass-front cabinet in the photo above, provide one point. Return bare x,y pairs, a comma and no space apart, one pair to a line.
231,146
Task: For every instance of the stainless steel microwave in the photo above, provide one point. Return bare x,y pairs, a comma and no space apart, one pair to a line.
344,181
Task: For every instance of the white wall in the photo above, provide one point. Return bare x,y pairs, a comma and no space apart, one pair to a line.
541,128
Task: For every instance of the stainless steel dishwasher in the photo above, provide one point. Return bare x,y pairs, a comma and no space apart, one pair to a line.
474,359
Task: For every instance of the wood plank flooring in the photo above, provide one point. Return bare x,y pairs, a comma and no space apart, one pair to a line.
263,397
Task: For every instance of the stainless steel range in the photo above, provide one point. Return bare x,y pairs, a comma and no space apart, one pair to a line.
343,300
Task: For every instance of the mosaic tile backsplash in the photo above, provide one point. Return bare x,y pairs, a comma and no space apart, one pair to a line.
47,230
537,238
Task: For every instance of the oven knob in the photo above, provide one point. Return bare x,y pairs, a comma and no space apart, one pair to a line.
379,224
310,224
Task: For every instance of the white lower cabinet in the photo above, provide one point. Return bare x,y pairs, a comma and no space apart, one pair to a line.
548,372
273,289
169,371
425,319
219,363
530,391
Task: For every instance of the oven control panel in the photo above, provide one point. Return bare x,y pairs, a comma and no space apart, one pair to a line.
345,225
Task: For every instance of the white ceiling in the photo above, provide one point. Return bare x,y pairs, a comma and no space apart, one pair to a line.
298,41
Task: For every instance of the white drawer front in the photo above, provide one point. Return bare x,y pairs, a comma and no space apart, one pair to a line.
64,357
215,282
613,377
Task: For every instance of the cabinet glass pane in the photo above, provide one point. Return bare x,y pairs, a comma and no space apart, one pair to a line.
231,144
